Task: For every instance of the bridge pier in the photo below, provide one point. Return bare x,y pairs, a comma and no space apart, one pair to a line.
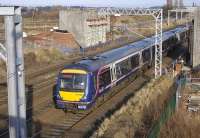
196,41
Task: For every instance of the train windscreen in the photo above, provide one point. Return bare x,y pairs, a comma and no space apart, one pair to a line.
73,82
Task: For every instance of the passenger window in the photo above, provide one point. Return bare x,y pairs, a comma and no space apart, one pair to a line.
104,78
146,55
123,68
135,61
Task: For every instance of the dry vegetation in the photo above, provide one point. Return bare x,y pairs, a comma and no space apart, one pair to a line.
2,69
142,25
182,125
36,58
42,56
153,111
136,117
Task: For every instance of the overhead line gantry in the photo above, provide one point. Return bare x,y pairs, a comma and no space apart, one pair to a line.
157,14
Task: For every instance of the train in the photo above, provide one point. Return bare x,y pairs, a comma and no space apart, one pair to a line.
79,85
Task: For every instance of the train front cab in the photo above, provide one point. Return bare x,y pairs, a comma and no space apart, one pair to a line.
74,89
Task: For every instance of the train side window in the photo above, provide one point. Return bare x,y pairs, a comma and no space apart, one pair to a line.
146,55
104,78
135,61
123,68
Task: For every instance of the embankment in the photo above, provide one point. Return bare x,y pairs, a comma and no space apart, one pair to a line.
137,117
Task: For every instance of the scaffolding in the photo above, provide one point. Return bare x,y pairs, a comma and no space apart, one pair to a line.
157,14
13,54
96,30
87,27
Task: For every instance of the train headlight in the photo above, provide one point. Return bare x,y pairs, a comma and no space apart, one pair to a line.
82,106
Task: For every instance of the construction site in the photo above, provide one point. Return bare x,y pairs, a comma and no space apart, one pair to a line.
70,71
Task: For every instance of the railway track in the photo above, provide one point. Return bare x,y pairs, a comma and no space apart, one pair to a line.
34,109
36,80
67,122
36,72
31,89
38,98
32,75
64,125
57,124
70,120
36,77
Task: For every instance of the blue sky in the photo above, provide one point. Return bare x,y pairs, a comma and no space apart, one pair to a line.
96,3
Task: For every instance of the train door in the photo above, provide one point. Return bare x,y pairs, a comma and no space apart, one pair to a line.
113,74
104,79
151,50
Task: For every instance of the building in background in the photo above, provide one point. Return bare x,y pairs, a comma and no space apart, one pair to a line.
175,3
87,27
169,3
179,4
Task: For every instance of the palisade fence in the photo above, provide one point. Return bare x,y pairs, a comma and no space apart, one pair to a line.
170,108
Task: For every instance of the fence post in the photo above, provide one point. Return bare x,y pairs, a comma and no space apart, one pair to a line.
178,93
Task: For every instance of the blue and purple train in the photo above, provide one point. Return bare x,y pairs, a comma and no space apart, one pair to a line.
79,85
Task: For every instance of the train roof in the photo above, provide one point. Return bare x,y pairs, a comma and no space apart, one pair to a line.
94,63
